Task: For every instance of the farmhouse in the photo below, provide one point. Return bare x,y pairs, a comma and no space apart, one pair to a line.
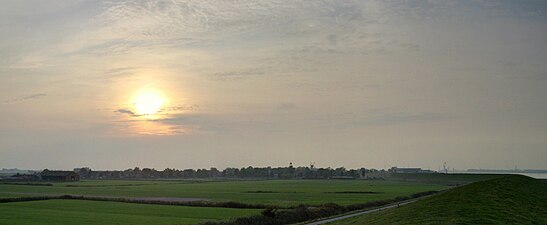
51,175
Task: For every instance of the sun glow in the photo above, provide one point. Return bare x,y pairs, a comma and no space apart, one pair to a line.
148,102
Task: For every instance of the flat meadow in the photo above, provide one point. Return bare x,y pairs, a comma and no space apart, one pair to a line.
60,212
270,192
277,193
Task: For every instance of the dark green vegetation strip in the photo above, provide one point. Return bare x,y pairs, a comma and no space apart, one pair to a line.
31,184
513,199
26,199
60,212
231,204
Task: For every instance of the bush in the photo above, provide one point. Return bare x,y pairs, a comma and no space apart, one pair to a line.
269,212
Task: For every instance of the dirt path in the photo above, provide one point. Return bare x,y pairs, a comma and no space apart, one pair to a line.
362,212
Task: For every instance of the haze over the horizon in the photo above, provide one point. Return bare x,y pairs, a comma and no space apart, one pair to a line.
197,84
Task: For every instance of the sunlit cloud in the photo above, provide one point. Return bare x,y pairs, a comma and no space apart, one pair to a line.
126,111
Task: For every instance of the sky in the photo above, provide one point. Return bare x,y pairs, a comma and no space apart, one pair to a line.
203,83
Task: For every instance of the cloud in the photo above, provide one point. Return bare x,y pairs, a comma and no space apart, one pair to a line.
134,124
155,127
181,108
165,111
118,73
236,75
126,111
284,38
24,98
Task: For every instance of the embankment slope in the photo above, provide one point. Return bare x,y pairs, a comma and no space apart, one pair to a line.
512,199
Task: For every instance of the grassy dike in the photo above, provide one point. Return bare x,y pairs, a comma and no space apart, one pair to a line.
512,199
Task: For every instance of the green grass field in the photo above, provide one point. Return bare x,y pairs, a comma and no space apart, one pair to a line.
60,212
513,199
275,192
271,192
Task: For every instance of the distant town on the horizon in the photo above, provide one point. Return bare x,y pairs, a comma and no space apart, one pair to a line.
290,172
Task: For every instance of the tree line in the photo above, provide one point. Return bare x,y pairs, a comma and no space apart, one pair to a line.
250,172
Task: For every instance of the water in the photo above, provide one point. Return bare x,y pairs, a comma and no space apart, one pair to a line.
533,175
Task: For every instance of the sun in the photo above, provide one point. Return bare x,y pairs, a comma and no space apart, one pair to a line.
148,102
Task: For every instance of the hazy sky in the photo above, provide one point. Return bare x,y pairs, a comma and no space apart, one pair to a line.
196,84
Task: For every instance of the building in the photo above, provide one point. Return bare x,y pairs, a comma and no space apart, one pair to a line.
51,175
409,170
373,174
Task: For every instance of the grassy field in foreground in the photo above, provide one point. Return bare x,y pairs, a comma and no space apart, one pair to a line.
277,192
60,212
513,199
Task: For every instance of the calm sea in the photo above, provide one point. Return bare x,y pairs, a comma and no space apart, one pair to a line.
534,175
